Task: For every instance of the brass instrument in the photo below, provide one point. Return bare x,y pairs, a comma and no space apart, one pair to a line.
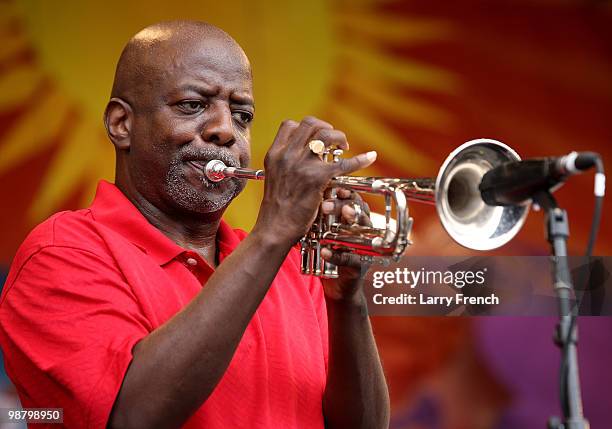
463,213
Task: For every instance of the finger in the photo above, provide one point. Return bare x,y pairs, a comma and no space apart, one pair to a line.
331,137
305,130
355,213
343,259
347,194
352,210
349,165
287,127
365,208
349,214
336,207
344,193
364,219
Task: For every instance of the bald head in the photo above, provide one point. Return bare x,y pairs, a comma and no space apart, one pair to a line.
157,49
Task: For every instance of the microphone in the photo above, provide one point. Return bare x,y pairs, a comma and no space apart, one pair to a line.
516,182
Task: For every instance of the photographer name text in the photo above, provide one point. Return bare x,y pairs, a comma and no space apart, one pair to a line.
423,299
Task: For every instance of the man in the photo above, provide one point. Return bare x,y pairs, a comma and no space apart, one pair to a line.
147,310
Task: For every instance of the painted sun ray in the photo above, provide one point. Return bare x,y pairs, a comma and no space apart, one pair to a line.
103,168
247,202
400,29
410,73
389,146
12,44
105,154
69,166
354,5
18,84
8,13
381,96
35,131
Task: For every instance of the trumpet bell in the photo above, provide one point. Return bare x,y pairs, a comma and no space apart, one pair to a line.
463,213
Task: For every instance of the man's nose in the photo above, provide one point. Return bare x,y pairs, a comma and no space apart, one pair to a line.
219,128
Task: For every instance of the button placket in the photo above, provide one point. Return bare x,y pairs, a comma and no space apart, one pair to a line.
195,265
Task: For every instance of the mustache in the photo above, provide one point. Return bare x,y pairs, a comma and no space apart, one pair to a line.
208,154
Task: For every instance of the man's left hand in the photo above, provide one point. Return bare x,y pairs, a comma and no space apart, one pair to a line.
348,285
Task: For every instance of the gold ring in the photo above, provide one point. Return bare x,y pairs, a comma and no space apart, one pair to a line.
316,146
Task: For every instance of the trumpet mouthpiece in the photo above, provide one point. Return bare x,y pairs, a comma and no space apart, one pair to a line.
214,170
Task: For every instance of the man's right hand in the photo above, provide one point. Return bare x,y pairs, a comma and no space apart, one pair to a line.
296,178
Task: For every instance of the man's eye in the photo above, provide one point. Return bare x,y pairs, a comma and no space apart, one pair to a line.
243,116
191,106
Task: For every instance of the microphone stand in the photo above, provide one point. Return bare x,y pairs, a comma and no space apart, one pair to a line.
557,232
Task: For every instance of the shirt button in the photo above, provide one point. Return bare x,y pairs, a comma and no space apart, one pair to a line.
192,262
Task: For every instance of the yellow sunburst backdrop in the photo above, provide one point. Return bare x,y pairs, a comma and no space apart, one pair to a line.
59,61
411,80
397,78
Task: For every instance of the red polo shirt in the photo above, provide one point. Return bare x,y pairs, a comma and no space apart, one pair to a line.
87,285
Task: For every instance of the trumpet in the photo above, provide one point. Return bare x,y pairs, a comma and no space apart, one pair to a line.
461,210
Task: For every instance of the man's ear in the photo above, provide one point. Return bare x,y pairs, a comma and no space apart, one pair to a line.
118,118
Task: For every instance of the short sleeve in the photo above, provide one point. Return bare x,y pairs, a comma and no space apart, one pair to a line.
68,324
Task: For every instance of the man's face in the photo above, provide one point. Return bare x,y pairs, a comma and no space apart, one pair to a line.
199,107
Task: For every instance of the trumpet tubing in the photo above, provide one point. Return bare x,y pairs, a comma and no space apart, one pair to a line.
454,192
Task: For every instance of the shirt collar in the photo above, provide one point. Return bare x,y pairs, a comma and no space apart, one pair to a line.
113,209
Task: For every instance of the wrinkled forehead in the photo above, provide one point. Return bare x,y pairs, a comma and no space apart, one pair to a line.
165,63
207,57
